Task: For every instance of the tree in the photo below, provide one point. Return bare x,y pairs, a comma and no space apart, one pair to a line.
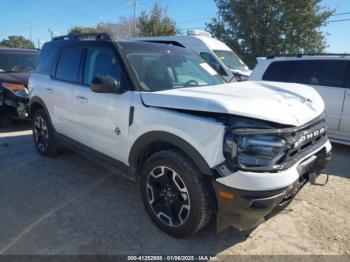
157,23
121,30
258,28
17,42
81,30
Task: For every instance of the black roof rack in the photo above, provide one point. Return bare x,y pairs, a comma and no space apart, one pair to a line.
87,36
301,55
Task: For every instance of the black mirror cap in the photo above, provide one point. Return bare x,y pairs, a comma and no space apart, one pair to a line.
106,84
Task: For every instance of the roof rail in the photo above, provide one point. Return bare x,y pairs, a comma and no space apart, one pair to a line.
86,36
301,55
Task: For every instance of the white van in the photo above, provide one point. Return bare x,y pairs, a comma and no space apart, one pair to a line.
225,61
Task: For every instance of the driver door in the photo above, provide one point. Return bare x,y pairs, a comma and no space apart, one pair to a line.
102,118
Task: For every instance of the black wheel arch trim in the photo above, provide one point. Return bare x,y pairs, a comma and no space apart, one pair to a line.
147,139
38,100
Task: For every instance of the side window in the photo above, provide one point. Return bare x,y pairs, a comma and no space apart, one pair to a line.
47,59
278,71
320,72
101,62
68,66
213,62
310,72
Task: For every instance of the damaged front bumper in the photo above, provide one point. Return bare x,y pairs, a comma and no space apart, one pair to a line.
246,209
16,103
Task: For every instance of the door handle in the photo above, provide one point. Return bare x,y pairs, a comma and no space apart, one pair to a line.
49,90
81,99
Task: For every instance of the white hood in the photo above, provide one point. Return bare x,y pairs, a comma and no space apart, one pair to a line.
284,103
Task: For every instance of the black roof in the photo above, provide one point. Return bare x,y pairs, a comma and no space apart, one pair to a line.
89,38
6,50
134,45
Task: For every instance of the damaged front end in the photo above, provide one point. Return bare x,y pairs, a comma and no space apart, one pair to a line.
14,100
265,168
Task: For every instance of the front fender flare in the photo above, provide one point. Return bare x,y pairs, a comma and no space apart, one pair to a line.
160,136
38,100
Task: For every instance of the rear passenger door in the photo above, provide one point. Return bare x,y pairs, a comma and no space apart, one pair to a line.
102,120
64,80
328,77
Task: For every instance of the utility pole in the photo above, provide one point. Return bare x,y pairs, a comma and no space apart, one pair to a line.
134,2
51,33
30,29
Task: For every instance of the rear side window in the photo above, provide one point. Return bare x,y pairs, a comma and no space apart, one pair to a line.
68,66
278,71
101,62
311,72
48,58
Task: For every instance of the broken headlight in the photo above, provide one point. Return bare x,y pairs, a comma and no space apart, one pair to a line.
260,151
16,89
253,151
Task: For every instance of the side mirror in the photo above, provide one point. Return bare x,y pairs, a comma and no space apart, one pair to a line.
105,84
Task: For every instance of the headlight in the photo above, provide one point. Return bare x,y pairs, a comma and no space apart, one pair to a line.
16,89
254,151
260,151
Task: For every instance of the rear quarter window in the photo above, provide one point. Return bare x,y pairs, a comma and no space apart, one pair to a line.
69,64
47,59
278,71
311,72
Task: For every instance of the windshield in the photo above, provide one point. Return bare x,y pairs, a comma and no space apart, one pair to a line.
171,68
14,63
231,60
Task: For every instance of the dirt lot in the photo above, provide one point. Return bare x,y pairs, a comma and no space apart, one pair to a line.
68,205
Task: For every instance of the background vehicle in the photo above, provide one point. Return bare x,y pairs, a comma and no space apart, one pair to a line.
216,53
328,74
16,66
161,115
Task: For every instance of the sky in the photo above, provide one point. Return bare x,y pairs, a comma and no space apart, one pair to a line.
17,16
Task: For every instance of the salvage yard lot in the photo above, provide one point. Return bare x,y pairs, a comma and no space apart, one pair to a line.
68,205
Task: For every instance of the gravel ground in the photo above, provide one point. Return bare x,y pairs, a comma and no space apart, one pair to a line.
68,205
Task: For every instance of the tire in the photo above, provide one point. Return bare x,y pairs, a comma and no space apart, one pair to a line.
44,135
174,193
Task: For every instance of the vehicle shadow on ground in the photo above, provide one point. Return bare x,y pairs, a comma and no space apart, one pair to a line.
69,205
339,165
14,127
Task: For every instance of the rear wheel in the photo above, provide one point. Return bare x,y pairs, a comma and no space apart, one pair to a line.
43,134
174,193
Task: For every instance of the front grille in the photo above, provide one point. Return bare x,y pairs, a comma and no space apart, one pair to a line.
304,139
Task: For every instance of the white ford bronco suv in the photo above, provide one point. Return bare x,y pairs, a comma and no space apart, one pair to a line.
159,115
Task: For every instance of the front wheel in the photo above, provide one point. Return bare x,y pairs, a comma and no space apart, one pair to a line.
43,134
174,193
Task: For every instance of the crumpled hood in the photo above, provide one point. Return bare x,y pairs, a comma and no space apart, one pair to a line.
284,103
15,78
